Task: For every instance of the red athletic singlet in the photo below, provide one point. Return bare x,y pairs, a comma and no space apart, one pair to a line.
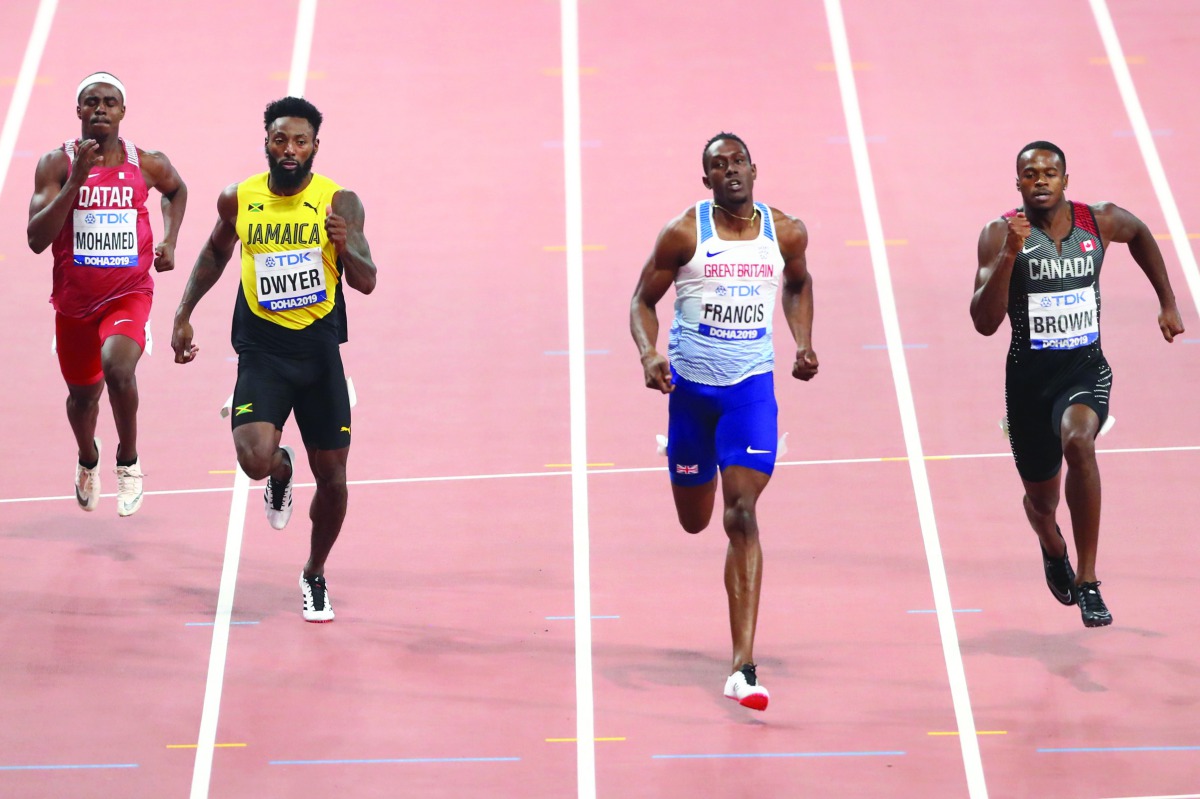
106,246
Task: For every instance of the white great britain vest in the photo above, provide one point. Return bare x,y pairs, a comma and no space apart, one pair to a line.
724,304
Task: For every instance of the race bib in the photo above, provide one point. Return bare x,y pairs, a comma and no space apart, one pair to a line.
291,279
734,311
106,237
1063,320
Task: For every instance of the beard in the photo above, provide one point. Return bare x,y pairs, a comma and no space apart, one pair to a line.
289,179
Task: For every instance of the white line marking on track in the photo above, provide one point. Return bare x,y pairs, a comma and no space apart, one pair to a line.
956,674
450,478
585,732
1145,140
24,88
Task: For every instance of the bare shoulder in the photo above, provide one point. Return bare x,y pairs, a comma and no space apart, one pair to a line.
227,203
790,232
679,234
346,200
53,163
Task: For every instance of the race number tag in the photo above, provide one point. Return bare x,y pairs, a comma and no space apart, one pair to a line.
291,279
1063,320
734,311
105,237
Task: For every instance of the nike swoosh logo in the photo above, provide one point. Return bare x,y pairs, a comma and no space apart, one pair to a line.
119,321
711,254
1026,250
752,451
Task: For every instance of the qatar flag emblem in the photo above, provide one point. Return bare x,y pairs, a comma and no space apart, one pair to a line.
1088,245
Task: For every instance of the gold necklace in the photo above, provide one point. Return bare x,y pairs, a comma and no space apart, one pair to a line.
735,216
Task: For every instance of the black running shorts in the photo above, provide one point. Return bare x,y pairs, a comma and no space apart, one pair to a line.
1036,405
271,386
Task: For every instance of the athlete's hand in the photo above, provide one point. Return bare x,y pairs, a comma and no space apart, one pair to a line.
335,229
1018,231
87,155
806,364
1170,323
657,372
181,342
164,257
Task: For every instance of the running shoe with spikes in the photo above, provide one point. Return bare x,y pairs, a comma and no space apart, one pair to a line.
277,496
129,488
317,607
1091,605
743,687
87,483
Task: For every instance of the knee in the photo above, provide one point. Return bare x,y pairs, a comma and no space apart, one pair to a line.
119,376
333,489
740,520
1079,448
256,462
692,524
1041,506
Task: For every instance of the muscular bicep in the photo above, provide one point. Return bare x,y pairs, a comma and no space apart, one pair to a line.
224,236
160,173
991,240
1117,224
673,249
348,206
48,180
793,246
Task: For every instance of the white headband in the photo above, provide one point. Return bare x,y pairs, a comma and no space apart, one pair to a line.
101,77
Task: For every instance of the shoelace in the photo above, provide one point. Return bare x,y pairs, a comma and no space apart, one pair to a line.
316,586
277,498
748,673
125,476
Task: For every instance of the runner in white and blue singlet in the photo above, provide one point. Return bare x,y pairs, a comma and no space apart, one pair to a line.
726,258
1040,266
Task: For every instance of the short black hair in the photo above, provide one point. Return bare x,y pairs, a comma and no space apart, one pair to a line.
293,107
1042,145
719,137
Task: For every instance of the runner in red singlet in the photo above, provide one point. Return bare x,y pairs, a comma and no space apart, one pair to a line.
89,207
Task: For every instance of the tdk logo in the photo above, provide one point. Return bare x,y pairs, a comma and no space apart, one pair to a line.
107,218
288,259
1065,300
738,291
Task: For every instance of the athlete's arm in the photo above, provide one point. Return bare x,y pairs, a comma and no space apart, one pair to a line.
344,226
54,192
999,243
675,246
797,292
160,174
209,265
1117,224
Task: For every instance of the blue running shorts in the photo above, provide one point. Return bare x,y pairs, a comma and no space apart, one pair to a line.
721,426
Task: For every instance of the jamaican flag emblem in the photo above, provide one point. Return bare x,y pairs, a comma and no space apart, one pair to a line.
255,207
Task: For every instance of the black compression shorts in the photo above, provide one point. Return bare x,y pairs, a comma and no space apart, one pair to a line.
1035,412
270,387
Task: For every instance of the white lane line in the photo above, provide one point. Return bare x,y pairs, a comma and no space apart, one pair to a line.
1145,140
306,21
450,478
24,88
956,674
585,757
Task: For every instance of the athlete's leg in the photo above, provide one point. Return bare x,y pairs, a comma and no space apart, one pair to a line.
328,509
119,356
259,453
694,504
83,409
1041,503
741,488
1080,426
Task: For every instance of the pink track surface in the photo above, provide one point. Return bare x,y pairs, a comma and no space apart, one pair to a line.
451,668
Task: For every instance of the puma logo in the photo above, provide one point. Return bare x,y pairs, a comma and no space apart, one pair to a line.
310,205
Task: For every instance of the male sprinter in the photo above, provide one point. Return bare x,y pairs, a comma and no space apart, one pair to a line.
1040,265
301,238
89,207
725,257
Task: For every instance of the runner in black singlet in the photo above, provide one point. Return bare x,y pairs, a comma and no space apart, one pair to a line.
1040,265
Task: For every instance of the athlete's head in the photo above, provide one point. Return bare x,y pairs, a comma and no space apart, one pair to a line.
100,103
728,170
292,124
1041,175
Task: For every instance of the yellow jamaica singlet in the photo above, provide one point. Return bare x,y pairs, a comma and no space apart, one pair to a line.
290,273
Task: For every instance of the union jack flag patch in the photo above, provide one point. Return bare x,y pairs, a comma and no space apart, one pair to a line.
682,469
